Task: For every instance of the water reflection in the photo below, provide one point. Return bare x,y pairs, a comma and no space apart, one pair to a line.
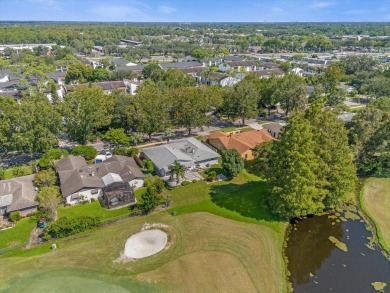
317,265
309,246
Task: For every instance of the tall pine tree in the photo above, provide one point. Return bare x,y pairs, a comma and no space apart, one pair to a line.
311,166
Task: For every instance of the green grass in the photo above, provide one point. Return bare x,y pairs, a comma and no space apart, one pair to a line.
233,128
222,239
94,209
375,202
18,234
241,199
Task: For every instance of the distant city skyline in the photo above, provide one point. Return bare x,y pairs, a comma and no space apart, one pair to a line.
195,11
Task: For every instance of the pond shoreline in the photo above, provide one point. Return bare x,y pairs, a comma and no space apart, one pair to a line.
352,216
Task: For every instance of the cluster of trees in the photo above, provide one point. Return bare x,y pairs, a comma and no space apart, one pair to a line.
369,137
32,126
271,37
80,73
311,166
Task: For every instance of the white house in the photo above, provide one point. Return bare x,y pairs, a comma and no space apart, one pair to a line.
82,182
189,152
297,71
245,66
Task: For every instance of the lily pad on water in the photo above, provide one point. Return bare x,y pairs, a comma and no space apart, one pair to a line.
379,286
338,243
332,217
343,219
352,216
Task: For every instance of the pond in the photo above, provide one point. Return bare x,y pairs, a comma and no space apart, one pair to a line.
335,253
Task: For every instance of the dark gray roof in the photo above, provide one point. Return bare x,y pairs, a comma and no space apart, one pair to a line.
5,72
242,63
180,65
56,75
70,163
17,193
217,76
130,68
193,70
9,85
120,61
274,127
266,72
90,176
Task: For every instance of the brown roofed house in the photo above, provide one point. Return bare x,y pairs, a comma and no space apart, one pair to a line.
18,194
80,181
243,142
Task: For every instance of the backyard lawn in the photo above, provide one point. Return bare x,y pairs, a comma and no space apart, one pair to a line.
376,203
18,234
221,239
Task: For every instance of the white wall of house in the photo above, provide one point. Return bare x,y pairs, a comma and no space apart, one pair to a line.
137,183
224,67
4,79
86,194
229,81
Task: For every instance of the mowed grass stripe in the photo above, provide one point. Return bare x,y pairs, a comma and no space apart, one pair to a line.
376,202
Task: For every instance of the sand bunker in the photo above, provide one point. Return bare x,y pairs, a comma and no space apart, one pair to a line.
145,243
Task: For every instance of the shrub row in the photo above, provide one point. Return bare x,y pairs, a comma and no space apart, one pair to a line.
65,227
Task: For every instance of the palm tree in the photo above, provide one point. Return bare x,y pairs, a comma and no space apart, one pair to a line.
168,134
136,138
177,170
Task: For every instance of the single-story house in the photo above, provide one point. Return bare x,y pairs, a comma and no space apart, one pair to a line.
273,129
243,142
107,86
118,62
180,65
80,181
217,78
246,66
297,71
18,194
189,152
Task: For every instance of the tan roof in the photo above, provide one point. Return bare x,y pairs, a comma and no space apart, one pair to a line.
242,141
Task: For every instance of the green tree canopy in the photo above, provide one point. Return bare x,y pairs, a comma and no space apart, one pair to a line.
149,111
232,163
49,200
312,165
291,93
86,110
86,151
117,136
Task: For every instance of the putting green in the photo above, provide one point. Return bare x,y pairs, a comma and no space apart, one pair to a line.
71,280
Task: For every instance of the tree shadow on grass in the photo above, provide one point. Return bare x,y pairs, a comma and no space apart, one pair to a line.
248,200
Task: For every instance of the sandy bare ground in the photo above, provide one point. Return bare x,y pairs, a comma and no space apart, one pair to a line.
145,243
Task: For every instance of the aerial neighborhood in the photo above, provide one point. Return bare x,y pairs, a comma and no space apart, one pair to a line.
194,157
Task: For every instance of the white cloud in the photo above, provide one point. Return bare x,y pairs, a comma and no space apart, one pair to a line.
318,5
166,9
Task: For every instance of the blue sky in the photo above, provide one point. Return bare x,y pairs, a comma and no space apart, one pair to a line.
196,10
